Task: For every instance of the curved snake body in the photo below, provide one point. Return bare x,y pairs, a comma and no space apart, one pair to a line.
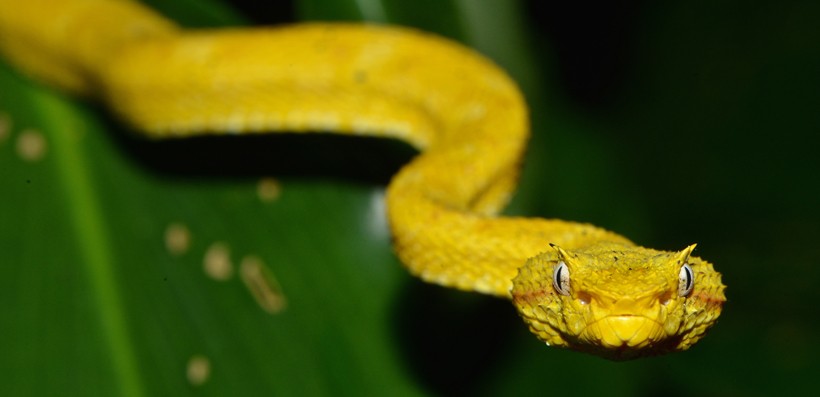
576,285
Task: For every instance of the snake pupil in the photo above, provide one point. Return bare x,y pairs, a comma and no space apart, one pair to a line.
687,280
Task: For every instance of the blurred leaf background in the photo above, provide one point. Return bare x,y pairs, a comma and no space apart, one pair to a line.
670,122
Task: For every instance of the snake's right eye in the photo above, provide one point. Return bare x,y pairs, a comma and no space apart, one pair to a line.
686,280
560,278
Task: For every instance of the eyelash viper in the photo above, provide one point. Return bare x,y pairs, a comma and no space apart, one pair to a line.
575,285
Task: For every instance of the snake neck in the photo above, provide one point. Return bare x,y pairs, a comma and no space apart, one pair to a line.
450,245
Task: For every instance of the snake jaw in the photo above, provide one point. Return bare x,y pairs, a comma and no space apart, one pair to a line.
619,327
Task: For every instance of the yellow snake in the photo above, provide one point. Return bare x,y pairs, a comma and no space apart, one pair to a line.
575,285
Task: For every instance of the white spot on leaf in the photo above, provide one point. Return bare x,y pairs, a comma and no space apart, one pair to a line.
31,145
177,239
199,370
268,190
217,262
262,284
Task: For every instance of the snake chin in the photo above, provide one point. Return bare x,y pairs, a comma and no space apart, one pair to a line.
621,337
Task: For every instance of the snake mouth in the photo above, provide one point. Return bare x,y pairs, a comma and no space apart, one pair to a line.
624,331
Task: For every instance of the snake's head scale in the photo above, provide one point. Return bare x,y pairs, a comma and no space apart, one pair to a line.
619,302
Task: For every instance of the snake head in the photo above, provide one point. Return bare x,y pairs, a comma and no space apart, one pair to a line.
617,301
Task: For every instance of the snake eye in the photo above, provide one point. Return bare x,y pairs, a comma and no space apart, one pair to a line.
686,280
560,278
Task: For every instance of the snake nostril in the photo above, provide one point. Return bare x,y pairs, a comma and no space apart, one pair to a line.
665,298
583,297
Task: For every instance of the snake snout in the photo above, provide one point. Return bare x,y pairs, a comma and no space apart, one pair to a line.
625,322
631,331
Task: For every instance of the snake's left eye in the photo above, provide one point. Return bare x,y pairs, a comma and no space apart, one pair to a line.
686,280
560,278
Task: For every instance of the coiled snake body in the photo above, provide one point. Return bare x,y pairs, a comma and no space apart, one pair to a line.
575,285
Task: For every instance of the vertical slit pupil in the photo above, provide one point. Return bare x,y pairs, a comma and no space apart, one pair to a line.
558,278
689,278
